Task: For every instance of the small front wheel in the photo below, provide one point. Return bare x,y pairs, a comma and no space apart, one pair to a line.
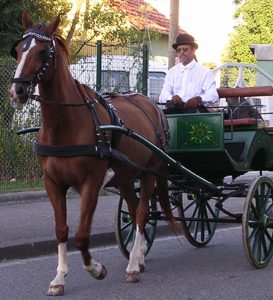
199,218
125,228
257,222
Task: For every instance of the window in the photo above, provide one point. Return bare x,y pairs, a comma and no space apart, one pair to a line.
155,83
115,81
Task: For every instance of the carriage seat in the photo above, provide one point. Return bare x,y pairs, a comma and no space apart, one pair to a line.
240,122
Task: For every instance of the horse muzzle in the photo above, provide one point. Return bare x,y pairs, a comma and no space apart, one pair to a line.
19,93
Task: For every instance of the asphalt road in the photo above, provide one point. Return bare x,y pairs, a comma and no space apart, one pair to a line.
174,270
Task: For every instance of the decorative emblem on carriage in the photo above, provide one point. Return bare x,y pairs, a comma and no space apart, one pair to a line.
200,133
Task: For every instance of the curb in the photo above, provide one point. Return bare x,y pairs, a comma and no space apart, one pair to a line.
23,196
38,248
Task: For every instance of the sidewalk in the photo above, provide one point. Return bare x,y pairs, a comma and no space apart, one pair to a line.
27,225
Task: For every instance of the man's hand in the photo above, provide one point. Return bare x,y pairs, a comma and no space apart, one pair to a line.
176,100
193,103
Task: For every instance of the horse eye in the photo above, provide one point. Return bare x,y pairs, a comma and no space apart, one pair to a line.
43,54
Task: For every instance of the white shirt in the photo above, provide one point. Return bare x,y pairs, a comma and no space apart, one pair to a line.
200,82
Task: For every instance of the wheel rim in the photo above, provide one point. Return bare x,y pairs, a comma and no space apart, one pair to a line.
125,228
257,223
196,212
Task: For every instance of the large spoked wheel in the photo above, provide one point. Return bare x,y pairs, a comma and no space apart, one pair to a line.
125,228
199,218
257,222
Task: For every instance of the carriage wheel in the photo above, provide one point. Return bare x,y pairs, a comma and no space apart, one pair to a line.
196,211
125,228
257,222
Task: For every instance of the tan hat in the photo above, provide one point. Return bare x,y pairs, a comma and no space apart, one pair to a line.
185,39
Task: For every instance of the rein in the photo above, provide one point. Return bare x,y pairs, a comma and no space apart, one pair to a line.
43,101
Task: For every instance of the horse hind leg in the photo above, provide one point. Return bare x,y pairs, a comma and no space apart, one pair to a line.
89,200
137,255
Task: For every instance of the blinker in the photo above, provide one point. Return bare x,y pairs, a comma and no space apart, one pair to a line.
27,37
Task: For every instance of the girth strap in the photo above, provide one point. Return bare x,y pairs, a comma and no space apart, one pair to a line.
68,151
87,150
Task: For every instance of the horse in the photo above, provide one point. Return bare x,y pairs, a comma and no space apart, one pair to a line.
74,152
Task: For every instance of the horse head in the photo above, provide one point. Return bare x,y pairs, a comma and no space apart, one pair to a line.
34,54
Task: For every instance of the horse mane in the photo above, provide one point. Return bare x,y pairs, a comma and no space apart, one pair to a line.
63,44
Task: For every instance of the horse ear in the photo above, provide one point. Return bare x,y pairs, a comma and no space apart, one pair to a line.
26,20
52,27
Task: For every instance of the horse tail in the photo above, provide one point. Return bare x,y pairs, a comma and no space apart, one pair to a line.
162,189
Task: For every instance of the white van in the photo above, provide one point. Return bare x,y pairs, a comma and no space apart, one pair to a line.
120,74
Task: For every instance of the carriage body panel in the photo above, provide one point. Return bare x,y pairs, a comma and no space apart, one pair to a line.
213,148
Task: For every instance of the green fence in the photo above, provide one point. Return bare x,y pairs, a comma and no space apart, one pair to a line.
105,68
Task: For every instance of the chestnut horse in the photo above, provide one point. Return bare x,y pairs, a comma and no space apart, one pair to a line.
74,152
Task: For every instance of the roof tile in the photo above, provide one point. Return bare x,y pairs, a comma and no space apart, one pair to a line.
142,15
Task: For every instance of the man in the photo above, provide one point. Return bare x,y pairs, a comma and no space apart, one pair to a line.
188,85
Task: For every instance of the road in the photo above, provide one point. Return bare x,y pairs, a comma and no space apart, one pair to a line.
174,270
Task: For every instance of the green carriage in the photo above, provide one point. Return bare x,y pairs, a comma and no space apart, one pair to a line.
205,155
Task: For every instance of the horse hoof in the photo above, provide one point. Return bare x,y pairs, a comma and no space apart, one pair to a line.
55,290
102,274
141,267
132,277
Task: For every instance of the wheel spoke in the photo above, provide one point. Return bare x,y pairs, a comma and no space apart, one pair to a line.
211,210
129,237
253,233
190,205
269,237
206,216
264,245
269,208
255,246
147,236
254,210
126,225
189,223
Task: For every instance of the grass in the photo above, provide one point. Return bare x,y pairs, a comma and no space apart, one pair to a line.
14,186
9,186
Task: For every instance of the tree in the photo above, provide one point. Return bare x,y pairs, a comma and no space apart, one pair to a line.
40,10
254,26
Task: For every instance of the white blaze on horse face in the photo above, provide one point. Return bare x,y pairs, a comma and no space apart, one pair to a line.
19,69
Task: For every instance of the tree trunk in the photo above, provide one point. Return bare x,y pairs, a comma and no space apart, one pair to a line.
74,21
173,30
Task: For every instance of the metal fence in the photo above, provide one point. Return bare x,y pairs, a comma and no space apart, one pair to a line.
105,68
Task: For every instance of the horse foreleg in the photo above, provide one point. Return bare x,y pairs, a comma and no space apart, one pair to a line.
56,287
96,270
57,198
89,200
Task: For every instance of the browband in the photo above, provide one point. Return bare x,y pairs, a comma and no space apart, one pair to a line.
38,35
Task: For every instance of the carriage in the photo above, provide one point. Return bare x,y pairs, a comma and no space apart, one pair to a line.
88,142
204,150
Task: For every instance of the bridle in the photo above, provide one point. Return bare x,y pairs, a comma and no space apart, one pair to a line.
35,33
52,54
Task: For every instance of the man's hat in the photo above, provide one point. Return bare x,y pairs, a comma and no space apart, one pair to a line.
185,39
